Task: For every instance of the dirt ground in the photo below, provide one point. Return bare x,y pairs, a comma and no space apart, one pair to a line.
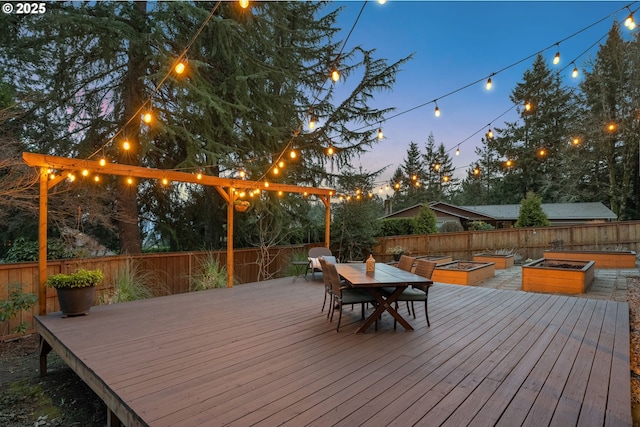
62,399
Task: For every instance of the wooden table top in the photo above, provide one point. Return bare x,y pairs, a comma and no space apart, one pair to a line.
384,275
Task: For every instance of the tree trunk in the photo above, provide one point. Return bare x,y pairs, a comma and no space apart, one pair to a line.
134,97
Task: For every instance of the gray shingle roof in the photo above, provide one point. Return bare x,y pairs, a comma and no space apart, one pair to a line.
554,211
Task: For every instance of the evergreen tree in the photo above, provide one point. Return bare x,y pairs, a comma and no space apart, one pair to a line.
531,213
252,78
611,95
537,146
425,222
407,181
439,180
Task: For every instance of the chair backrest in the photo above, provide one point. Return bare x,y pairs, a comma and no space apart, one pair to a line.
329,258
425,267
331,271
319,251
406,263
325,276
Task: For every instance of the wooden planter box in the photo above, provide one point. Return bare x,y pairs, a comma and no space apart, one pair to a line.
603,259
501,262
463,272
552,276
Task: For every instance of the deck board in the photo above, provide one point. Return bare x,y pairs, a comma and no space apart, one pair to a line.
264,354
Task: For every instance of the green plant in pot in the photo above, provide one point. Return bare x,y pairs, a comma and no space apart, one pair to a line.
75,291
396,251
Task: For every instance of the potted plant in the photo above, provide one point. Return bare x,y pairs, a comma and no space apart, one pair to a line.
75,291
241,205
396,251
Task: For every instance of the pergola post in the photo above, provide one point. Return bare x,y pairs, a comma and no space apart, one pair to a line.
326,200
42,242
230,260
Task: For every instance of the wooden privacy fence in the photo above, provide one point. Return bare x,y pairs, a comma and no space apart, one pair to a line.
527,242
167,273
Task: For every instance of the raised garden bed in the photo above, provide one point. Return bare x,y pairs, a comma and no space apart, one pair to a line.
602,259
463,272
501,262
564,276
439,259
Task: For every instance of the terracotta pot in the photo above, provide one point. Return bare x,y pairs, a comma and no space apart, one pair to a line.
241,208
75,301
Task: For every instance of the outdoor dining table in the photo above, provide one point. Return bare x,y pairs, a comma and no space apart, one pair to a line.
384,276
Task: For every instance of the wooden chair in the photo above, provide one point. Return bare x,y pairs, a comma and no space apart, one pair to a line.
419,292
328,292
314,262
343,294
406,263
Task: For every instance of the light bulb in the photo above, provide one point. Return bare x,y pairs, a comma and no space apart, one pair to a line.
280,164
576,141
490,134
126,145
129,181
147,117
574,74
380,134
103,161
556,59
629,22
312,123
96,178
244,3
527,106
437,111
243,174
199,175
335,75
330,151
458,151
165,181
489,84
293,154
179,67
85,172
276,171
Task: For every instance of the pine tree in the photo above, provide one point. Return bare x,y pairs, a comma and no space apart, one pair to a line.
252,78
531,213
611,95
537,145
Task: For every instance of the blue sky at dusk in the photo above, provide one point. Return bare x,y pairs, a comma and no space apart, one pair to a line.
456,43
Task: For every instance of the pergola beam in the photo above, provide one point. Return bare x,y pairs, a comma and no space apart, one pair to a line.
225,186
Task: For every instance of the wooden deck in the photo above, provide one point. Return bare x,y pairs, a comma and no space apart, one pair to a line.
263,354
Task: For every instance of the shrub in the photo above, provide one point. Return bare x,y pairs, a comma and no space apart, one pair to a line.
12,307
451,227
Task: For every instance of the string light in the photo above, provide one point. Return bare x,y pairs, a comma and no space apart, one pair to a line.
165,181
556,59
126,145
528,106
574,73
629,22
103,161
312,122
85,172
244,3
293,154
575,141
147,117
489,84
508,163
380,134
330,150
542,152
180,67
458,151
437,111
489,134
242,173
199,175
335,75
96,178
130,181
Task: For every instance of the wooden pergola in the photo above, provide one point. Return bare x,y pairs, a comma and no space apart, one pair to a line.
225,186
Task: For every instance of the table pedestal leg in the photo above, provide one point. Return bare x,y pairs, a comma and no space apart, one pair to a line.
382,306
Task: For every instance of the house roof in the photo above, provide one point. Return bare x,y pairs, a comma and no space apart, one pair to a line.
554,211
586,211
